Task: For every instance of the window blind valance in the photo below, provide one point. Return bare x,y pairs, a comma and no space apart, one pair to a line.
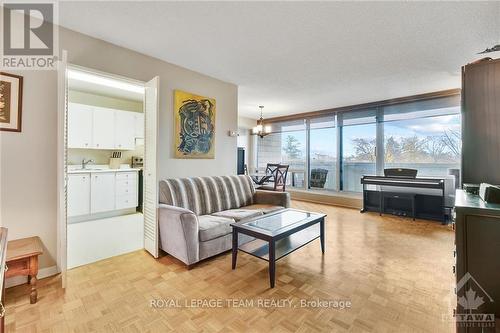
422,108
359,117
442,106
323,122
288,126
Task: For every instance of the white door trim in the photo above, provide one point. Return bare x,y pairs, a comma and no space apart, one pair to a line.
150,185
62,85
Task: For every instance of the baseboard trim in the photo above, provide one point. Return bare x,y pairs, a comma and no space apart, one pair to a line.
348,201
42,273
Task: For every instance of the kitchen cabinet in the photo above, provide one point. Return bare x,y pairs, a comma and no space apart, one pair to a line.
79,125
126,190
95,127
79,194
102,192
139,125
103,128
125,130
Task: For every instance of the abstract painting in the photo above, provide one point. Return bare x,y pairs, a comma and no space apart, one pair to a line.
11,92
194,125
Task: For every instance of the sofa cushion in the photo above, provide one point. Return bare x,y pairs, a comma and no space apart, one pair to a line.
211,227
239,214
264,208
206,195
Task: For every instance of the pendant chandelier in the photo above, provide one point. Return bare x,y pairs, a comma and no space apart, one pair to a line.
261,129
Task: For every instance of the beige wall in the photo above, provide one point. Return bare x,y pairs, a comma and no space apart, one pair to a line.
28,159
248,141
245,122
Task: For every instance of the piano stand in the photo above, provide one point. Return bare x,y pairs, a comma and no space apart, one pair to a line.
423,205
399,196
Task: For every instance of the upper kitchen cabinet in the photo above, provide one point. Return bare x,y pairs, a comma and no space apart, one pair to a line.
103,128
139,125
124,130
79,125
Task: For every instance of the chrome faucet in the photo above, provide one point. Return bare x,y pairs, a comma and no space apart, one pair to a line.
84,163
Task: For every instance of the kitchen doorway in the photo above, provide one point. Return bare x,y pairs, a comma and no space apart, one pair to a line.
108,137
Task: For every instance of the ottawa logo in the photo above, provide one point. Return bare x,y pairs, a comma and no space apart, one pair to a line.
471,296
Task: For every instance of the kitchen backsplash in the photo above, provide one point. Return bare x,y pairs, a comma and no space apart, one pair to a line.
75,156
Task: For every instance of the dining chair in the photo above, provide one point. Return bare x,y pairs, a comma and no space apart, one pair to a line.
318,177
279,175
270,170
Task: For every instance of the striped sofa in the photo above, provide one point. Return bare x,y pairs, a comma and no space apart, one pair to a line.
195,214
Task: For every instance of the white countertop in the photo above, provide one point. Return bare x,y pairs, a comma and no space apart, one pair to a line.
100,169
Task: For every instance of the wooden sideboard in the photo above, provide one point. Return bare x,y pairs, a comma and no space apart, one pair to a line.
477,241
3,269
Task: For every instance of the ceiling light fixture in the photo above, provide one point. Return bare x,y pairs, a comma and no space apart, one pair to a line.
104,81
261,129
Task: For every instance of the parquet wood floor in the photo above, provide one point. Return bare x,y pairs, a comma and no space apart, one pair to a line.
396,273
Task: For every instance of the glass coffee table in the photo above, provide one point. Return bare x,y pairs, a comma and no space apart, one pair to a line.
278,234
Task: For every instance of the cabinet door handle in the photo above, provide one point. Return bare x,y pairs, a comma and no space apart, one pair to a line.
2,310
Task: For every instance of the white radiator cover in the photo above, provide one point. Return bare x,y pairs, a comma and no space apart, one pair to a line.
91,241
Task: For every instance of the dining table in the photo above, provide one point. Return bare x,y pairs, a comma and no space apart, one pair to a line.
259,178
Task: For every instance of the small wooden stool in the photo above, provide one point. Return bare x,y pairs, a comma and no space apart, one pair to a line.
22,260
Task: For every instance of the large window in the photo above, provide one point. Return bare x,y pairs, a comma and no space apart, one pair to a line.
288,146
423,135
359,142
332,152
323,153
430,145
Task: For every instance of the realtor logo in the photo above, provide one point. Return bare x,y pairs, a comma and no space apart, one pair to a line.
29,35
472,297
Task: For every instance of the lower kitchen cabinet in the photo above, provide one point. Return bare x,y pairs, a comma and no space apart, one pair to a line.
78,194
102,192
99,192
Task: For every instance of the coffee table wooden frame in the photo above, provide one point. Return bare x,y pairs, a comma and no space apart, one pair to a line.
272,246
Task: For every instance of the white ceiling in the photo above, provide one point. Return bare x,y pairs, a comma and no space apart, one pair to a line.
302,56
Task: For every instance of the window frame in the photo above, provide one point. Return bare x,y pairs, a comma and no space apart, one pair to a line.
339,113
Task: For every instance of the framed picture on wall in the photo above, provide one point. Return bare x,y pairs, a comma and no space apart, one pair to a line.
194,120
11,96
